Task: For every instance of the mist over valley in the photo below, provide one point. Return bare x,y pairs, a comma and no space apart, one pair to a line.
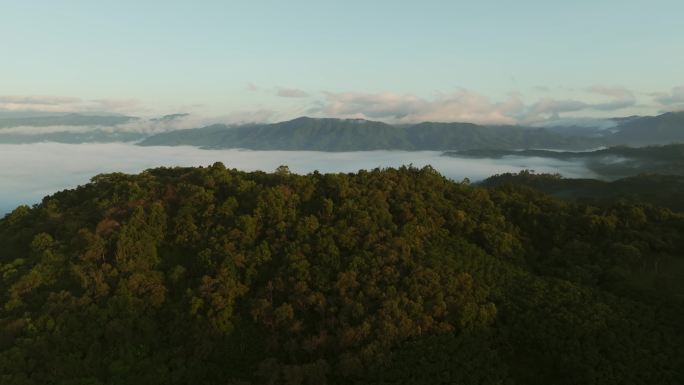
26,177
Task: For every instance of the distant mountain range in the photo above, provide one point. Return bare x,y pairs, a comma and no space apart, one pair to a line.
362,135
358,135
327,134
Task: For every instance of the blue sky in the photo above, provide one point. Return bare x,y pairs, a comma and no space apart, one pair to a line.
483,61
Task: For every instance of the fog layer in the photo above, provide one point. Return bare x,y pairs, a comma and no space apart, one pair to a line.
31,171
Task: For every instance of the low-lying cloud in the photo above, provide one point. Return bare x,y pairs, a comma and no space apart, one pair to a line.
141,126
149,126
31,171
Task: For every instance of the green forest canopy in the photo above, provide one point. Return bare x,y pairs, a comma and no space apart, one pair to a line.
395,276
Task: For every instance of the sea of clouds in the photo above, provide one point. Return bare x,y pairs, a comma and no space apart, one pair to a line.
31,171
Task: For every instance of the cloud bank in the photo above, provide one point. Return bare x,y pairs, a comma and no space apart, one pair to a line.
618,98
140,126
150,126
464,106
34,170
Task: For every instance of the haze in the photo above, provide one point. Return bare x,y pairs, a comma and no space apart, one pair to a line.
26,178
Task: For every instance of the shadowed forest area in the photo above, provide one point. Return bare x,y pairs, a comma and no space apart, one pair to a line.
394,276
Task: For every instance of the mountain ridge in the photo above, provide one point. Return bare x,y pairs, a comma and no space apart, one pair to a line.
306,133
333,134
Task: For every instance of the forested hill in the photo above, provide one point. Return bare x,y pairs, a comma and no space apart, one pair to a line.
362,135
660,190
397,276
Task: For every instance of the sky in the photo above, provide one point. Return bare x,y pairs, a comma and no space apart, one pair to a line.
482,61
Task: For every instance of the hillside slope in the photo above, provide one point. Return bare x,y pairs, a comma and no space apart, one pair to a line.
658,190
214,276
649,130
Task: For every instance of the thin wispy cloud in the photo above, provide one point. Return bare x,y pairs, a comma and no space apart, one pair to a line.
115,104
618,98
671,101
291,93
614,92
259,115
38,100
149,126
61,104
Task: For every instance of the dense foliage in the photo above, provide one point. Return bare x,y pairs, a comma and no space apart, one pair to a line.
659,190
398,276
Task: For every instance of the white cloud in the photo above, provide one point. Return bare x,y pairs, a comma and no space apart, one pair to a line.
459,106
464,106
